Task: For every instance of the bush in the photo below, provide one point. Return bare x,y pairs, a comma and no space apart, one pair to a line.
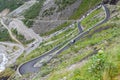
98,63
4,35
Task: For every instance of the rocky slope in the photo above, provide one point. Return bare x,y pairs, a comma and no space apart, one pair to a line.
50,12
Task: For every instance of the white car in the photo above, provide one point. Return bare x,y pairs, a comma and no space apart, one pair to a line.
72,41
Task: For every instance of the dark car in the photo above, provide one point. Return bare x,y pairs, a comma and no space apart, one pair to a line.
32,45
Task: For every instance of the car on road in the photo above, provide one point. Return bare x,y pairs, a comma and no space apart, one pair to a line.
32,45
72,41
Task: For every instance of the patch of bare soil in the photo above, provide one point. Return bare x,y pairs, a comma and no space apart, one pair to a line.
4,12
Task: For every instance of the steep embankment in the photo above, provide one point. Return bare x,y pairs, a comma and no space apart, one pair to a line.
23,69
10,4
100,40
104,65
42,49
54,10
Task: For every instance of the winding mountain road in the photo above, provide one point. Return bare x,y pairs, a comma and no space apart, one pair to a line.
29,67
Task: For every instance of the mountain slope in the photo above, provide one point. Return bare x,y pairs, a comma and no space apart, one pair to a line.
72,64
96,52
10,4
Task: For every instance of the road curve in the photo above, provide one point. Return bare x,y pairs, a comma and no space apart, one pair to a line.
28,67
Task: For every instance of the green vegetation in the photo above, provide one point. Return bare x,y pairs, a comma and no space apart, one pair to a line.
103,66
75,53
65,34
6,74
10,4
44,48
60,40
93,18
32,13
48,12
56,29
76,15
62,4
4,35
84,6
21,37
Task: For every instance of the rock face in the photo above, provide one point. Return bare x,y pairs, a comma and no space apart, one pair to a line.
112,2
49,16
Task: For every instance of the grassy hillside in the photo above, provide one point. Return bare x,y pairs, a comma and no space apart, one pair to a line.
4,35
84,6
99,64
10,4
32,13
103,66
61,38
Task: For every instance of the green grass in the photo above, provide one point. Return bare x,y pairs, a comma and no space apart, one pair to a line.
21,38
56,29
64,34
84,6
72,55
73,52
32,13
103,66
92,19
4,35
10,4
44,48
81,10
